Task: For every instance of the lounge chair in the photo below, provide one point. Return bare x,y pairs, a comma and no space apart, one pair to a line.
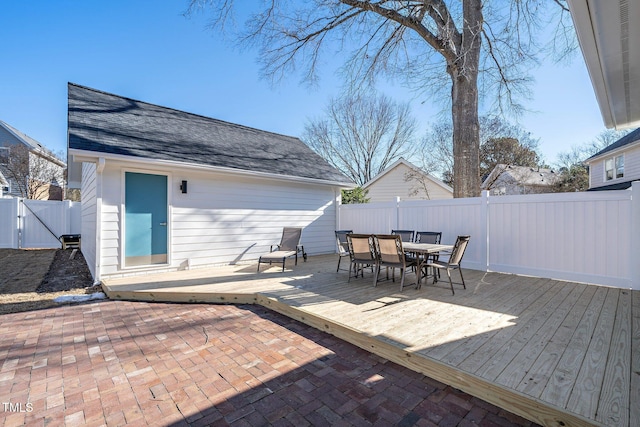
289,246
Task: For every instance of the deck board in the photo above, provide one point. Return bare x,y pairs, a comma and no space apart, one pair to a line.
634,410
541,373
557,353
564,376
537,347
615,390
455,352
586,391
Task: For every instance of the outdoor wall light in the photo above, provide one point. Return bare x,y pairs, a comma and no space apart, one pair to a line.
183,187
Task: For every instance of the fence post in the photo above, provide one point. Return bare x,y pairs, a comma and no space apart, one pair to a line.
635,236
484,224
397,221
20,211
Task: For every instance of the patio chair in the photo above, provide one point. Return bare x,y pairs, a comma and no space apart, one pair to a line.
454,261
407,235
343,245
289,246
428,237
391,255
361,253
433,237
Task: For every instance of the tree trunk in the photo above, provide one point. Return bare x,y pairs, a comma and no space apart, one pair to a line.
466,137
464,96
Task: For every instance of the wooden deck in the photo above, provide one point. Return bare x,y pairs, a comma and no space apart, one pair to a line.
557,353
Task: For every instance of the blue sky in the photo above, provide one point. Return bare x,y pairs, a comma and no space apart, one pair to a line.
147,50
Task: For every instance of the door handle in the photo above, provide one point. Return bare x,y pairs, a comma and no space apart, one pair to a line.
164,224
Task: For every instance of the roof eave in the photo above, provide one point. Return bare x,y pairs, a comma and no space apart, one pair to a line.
81,156
402,161
613,70
611,153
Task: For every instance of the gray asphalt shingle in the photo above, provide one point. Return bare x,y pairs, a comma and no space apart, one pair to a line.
111,124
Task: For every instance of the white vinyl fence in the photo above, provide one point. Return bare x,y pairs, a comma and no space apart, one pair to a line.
30,224
591,237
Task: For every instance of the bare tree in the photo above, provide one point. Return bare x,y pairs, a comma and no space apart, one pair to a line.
34,175
579,153
432,44
362,135
501,142
574,174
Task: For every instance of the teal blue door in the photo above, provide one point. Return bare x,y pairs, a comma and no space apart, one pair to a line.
145,219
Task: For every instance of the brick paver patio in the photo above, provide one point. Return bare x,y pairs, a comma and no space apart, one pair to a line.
130,363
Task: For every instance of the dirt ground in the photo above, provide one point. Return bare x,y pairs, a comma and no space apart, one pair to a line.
30,279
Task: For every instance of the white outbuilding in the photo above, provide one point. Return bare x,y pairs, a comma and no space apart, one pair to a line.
164,189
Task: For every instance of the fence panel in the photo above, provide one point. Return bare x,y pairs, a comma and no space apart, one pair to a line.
453,217
573,236
587,237
9,223
36,223
369,218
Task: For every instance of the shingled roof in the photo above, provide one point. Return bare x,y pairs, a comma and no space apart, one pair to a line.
628,139
114,125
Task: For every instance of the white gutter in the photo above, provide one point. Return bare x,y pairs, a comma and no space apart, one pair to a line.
92,157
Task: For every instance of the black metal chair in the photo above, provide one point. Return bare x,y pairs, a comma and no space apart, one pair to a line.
433,237
454,261
361,253
428,237
407,235
343,245
390,254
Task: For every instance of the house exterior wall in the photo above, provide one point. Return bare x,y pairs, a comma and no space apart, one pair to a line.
631,168
52,188
393,184
222,219
89,216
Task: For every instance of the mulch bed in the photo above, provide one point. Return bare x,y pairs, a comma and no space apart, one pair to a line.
30,279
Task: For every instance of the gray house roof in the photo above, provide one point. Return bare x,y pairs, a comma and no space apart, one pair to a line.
522,175
12,136
105,123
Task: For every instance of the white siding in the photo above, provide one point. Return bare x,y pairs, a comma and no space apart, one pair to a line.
89,212
632,164
393,184
222,219
631,168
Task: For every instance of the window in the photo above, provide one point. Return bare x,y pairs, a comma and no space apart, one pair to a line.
614,168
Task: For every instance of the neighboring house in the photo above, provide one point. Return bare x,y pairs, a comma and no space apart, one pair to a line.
163,189
616,166
408,182
513,180
4,185
42,172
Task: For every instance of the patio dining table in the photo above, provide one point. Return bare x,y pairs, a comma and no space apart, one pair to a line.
422,250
